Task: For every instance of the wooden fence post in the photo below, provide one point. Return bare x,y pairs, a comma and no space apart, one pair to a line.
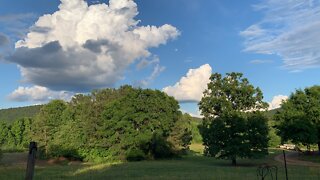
285,164
31,160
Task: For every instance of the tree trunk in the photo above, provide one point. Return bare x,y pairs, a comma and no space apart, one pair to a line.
234,161
319,147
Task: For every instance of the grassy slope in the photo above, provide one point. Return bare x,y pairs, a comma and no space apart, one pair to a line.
196,137
11,114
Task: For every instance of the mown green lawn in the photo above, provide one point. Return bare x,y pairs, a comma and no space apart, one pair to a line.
193,166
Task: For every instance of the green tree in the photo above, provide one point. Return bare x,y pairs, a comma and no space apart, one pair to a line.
47,123
181,134
7,140
137,119
299,117
17,129
108,124
21,130
27,133
4,130
257,134
229,107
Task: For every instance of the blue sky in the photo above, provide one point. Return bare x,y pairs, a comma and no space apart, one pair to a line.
170,45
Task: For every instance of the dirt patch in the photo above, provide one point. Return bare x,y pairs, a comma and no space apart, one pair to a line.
292,159
20,159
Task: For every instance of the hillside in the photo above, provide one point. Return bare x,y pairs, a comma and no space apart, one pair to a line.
270,113
12,114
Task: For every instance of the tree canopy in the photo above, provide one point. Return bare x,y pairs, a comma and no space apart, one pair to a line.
299,117
232,125
112,124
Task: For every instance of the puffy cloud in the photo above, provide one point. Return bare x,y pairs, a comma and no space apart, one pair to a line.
277,101
289,29
4,40
38,94
82,47
190,88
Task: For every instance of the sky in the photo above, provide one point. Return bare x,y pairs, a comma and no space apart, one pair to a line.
55,49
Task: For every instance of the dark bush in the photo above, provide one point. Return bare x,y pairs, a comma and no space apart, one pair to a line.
161,148
71,154
135,154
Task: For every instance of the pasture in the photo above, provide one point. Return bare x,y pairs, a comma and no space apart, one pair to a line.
192,166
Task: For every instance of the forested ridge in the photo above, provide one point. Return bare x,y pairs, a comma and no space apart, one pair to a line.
11,114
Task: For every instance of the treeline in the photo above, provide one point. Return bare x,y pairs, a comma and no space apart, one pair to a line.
298,120
136,124
12,114
109,124
15,136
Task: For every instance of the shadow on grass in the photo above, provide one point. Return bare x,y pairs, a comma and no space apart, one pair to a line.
192,166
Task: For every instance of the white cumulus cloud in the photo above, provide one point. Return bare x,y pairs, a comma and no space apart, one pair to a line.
190,88
277,101
82,47
289,29
38,94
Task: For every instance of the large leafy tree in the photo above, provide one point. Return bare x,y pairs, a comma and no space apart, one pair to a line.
138,120
47,123
181,134
112,124
21,131
299,117
232,126
4,133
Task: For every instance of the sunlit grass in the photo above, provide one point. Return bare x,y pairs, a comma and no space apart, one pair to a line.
94,167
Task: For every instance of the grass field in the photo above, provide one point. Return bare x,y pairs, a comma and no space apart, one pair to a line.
312,158
193,166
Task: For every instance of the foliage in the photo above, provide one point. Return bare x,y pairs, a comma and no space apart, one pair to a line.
12,114
135,154
230,93
15,136
112,124
195,123
232,127
275,140
47,124
299,118
181,135
257,131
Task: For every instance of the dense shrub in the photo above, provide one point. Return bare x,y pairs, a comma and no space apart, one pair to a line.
112,124
135,154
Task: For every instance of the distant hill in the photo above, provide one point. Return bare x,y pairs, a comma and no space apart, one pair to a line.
270,113
12,114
